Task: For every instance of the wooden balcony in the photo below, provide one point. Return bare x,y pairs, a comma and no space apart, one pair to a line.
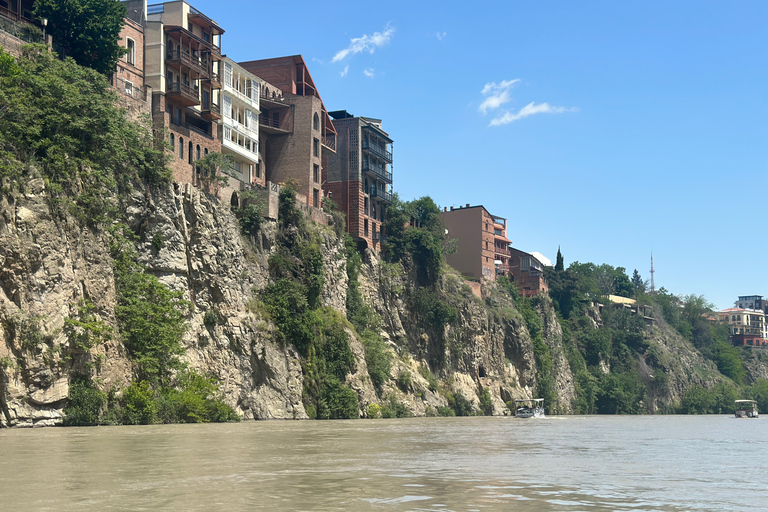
210,111
182,93
177,58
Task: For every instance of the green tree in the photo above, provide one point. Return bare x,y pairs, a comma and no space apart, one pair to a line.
213,170
638,285
86,30
559,266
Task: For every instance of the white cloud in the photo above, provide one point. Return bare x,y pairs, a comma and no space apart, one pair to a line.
346,70
543,259
528,110
441,35
369,72
365,43
496,94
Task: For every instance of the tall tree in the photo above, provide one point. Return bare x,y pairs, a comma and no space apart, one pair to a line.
559,265
637,282
86,30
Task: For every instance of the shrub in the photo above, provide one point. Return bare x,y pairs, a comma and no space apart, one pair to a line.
425,372
138,406
337,401
445,411
404,381
485,402
85,402
378,359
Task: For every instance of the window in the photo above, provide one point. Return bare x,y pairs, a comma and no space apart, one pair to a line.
173,143
316,122
198,151
316,173
315,198
131,55
365,228
181,147
206,151
128,88
189,153
316,147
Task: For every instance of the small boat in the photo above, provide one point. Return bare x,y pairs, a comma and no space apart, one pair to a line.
746,409
529,408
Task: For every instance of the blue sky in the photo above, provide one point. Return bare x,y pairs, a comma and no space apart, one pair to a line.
612,129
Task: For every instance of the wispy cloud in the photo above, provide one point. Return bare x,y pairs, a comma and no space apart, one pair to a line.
441,35
369,72
365,43
529,110
346,70
496,94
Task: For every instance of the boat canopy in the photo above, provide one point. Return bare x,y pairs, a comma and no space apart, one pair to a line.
537,400
741,401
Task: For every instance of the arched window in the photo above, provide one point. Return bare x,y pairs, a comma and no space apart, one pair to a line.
181,147
316,122
173,143
198,151
189,155
206,151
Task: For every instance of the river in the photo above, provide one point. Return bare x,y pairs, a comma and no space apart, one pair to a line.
562,463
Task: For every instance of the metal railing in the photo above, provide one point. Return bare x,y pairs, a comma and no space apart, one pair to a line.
378,170
129,89
23,30
377,150
381,194
210,107
272,123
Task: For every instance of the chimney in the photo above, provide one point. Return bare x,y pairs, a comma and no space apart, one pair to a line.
467,205
451,208
445,209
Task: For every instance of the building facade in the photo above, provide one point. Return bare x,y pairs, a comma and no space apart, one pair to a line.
239,123
527,272
182,55
482,246
296,132
746,327
128,78
359,175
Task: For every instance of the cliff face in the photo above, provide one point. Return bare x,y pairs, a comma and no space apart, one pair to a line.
50,266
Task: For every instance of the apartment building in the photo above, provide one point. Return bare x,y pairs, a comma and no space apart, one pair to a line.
296,134
482,246
239,123
359,175
182,55
752,302
527,272
747,327
128,78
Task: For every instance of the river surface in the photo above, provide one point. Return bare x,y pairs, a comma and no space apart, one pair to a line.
563,463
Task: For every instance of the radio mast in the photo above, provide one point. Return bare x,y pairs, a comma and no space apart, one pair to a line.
653,286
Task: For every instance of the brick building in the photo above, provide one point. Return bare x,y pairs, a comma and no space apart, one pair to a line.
128,78
295,131
359,174
182,53
482,246
527,272
15,21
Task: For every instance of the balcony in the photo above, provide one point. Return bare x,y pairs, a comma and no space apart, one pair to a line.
213,80
182,93
276,126
379,171
379,236
210,111
379,151
329,143
381,195
178,57
499,250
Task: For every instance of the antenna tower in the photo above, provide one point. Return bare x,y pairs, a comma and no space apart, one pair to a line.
653,286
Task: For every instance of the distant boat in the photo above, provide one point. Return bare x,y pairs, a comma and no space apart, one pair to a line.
746,409
529,408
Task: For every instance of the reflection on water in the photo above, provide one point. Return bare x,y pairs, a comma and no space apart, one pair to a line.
664,463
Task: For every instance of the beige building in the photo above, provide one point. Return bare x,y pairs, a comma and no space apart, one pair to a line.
295,131
359,175
745,326
182,55
482,246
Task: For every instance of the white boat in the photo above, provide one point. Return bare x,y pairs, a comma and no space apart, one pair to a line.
746,409
529,408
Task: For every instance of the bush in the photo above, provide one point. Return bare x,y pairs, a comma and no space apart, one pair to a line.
337,401
404,381
138,406
393,408
378,359
485,402
425,372
85,402
461,406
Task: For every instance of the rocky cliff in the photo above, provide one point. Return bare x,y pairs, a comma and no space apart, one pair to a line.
50,264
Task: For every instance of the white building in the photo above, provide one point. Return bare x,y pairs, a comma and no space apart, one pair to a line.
239,124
